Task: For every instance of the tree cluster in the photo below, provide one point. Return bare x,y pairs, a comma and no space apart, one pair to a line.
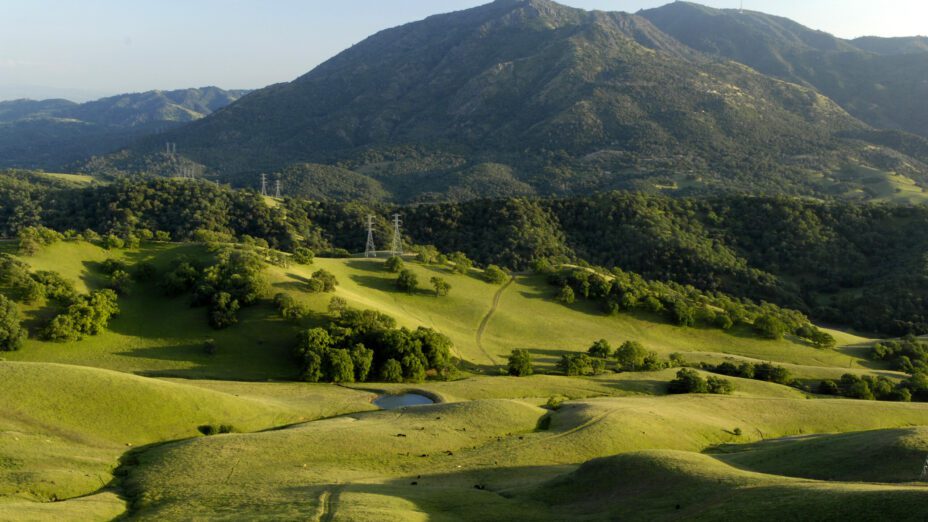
683,305
84,315
360,346
689,381
234,279
869,388
766,372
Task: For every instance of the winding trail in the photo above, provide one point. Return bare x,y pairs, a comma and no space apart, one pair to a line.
486,320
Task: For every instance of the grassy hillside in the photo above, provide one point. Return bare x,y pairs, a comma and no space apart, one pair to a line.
879,456
155,335
63,428
671,485
489,448
429,459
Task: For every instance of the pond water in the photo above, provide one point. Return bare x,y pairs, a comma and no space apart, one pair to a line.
392,402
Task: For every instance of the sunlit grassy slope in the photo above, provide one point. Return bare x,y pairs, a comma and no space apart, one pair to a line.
164,337
63,428
429,459
618,448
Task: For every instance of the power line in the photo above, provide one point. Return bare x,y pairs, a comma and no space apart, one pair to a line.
370,250
397,247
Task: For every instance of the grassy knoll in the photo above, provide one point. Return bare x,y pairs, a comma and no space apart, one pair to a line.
63,428
674,485
894,455
373,459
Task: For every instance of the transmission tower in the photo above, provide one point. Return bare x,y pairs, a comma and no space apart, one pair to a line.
924,470
264,184
397,247
277,189
370,250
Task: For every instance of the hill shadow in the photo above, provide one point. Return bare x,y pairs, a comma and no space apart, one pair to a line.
389,285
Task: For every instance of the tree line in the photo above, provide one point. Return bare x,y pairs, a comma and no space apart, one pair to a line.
847,263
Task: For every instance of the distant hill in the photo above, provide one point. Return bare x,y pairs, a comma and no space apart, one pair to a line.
879,80
51,134
532,97
900,45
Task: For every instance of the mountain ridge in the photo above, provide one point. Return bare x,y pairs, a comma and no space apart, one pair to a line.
879,80
568,100
55,133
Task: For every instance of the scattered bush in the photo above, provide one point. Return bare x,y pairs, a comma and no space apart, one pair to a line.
12,333
440,286
719,385
600,349
119,282
769,326
326,278
86,315
288,307
555,402
578,364
495,275
224,310
460,263
688,381
520,363
337,306
211,429
393,264
407,281
303,256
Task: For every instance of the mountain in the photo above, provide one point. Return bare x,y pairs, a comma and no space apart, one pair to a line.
888,46
51,134
879,80
540,98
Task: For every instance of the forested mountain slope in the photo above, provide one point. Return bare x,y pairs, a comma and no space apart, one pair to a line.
540,99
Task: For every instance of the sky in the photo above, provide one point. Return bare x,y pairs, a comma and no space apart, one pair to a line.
91,48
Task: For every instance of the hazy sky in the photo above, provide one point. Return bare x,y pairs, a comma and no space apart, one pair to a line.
86,48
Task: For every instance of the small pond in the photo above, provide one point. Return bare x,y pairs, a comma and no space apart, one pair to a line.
392,402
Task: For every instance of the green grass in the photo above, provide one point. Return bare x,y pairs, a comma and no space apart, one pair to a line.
373,458
673,485
92,508
894,455
157,336
614,450
63,428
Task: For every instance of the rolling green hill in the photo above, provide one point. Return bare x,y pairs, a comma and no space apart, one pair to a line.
258,347
105,442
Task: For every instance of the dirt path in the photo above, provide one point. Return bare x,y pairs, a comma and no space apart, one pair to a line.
486,320
328,500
